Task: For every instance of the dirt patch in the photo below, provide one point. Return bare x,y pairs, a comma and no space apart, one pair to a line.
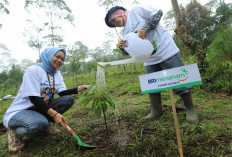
120,85
179,108
122,136
114,140
80,113
3,130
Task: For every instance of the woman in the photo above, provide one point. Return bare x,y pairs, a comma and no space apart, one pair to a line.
34,106
145,21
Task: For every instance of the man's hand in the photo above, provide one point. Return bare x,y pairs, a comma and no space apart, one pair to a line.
143,34
122,44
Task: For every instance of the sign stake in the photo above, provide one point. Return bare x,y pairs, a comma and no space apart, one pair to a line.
176,124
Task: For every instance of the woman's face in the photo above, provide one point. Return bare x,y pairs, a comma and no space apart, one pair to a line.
57,59
117,22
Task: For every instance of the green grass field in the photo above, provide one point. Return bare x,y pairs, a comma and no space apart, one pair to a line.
128,134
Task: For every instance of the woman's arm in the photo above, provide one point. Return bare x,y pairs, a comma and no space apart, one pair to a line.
74,90
44,108
41,106
69,92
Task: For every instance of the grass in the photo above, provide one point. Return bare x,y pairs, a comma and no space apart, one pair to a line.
129,134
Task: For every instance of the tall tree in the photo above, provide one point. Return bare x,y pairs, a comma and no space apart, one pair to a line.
82,53
3,80
182,31
76,58
54,9
33,33
16,76
25,63
198,20
5,57
223,10
220,50
3,8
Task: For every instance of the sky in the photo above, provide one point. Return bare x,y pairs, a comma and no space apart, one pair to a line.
89,28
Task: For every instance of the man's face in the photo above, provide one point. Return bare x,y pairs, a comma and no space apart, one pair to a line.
117,22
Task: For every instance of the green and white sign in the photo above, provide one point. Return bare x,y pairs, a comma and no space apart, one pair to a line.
171,78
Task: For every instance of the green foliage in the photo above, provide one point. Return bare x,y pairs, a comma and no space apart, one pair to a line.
101,103
52,39
59,7
221,48
101,100
223,12
54,9
219,57
108,3
218,77
3,8
129,134
198,20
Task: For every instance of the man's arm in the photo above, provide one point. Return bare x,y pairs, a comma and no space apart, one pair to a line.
152,22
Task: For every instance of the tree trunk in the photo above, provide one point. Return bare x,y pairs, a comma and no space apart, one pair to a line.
182,31
104,114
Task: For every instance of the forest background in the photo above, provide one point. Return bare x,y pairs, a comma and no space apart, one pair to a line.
202,33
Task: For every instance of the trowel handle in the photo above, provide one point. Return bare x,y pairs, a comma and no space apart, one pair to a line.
67,128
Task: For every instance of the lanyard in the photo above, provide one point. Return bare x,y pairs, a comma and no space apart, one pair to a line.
52,88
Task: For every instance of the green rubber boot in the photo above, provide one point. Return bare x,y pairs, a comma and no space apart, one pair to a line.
191,115
156,106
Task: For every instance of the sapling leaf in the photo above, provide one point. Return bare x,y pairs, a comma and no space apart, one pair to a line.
79,101
91,89
86,102
94,104
85,92
104,107
97,111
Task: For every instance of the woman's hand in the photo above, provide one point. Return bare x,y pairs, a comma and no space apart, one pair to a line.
143,34
60,119
82,87
122,44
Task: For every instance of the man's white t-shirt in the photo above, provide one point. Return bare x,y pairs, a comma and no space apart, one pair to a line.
35,82
166,46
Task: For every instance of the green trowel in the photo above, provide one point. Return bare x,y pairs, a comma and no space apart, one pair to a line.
79,142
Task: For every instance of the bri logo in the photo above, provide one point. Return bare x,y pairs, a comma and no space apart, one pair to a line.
180,77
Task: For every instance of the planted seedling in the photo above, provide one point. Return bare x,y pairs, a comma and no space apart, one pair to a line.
100,99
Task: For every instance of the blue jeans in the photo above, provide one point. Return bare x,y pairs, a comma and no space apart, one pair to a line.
173,62
30,123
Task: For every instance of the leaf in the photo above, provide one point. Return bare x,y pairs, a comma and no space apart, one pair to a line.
79,100
86,102
104,107
85,92
91,89
96,102
97,111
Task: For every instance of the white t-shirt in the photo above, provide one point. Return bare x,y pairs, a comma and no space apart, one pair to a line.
35,82
166,46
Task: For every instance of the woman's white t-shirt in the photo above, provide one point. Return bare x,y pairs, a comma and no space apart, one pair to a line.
159,36
34,83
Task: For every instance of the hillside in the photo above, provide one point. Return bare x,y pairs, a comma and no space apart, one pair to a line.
128,134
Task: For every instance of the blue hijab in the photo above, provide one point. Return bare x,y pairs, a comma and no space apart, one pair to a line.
46,57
